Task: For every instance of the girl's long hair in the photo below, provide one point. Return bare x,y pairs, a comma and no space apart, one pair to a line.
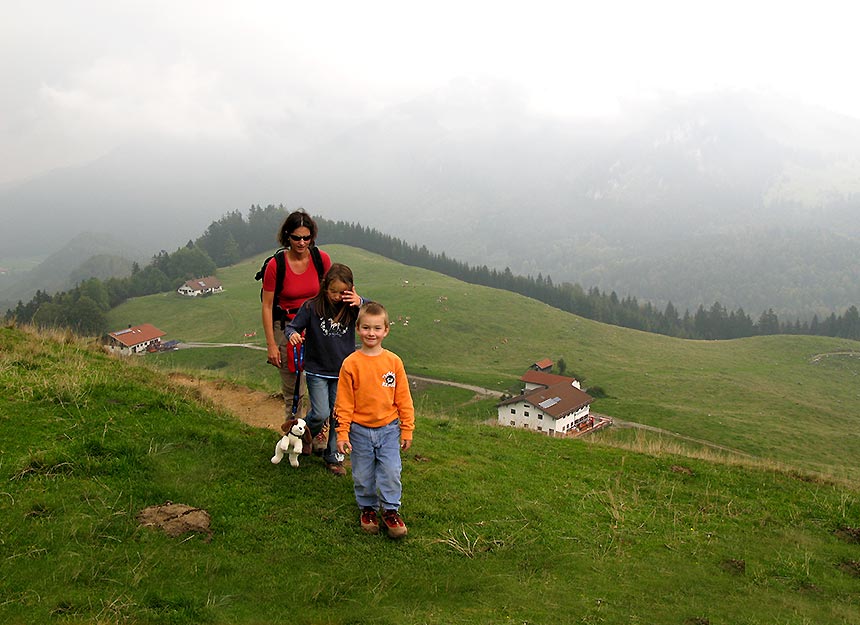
342,312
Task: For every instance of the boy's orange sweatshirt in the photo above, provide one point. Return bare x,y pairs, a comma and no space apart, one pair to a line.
373,391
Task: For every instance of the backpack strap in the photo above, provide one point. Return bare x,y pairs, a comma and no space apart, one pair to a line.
280,273
318,261
278,314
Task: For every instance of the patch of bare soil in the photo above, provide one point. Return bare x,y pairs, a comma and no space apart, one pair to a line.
175,519
848,534
734,566
256,408
852,567
677,468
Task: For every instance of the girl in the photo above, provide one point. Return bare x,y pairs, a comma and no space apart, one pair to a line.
328,323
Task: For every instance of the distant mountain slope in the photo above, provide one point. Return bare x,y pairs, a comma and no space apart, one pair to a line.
658,206
88,255
469,170
762,396
150,196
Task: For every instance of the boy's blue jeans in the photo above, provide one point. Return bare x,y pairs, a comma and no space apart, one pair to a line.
376,465
322,393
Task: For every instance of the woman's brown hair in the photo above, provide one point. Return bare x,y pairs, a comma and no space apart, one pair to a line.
294,221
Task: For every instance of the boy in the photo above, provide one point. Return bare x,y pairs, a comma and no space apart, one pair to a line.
375,418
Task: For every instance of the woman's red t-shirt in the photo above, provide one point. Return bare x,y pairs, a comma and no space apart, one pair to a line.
297,287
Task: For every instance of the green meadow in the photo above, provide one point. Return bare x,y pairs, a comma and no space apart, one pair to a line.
792,400
505,526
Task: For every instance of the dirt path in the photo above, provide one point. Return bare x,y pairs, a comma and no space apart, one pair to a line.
641,426
265,410
256,408
477,389
245,345
818,357
260,409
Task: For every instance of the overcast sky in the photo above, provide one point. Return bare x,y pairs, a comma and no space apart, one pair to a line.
80,77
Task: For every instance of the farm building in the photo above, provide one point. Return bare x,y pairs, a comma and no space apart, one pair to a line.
134,339
544,365
552,404
201,286
534,379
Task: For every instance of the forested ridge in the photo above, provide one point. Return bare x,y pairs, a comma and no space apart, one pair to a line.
235,236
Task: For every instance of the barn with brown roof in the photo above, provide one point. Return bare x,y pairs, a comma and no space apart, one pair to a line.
552,404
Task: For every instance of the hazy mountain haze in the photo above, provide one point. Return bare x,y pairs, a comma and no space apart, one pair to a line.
653,150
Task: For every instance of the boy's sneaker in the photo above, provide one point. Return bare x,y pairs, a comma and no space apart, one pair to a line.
336,467
393,523
369,521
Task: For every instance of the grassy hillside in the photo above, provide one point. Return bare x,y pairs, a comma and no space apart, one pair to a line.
505,526
790,399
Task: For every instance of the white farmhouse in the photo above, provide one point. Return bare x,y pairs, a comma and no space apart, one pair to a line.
201,286
134,339
552,404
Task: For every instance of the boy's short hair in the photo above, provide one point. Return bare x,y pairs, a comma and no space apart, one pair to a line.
372,308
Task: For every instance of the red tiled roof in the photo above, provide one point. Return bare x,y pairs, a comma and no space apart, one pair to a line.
546,363
209,282
544,379
137,334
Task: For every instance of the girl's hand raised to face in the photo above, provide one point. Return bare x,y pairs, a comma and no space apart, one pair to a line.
351,297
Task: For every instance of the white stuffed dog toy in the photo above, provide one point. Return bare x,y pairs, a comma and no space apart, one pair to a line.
291,443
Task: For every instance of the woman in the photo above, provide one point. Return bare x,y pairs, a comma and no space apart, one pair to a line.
301,282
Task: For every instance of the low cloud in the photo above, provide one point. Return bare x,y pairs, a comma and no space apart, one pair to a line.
120,97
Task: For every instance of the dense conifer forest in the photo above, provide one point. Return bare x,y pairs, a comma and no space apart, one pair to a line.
234,237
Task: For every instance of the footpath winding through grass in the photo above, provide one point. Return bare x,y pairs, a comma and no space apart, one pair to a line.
505,526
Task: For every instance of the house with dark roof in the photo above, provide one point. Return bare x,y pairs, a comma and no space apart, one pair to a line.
201,286
134,339
552,404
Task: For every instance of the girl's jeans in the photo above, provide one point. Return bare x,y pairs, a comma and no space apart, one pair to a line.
322,393
376,465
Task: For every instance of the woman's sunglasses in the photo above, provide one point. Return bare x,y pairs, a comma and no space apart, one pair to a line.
296,237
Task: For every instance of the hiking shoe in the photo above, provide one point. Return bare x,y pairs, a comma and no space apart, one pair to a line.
320,443
369,521
393,523
321,440
336,467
